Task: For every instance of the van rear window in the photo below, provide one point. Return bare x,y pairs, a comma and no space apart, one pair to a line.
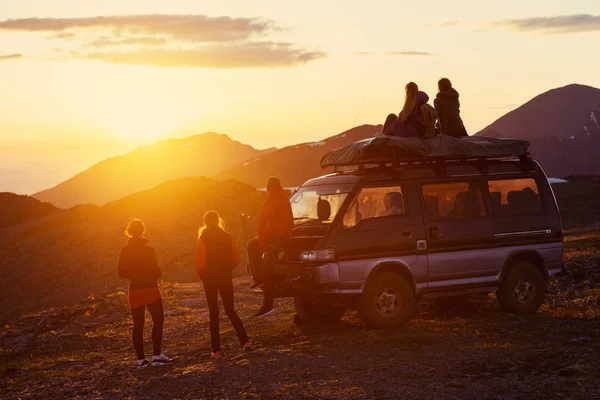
453,200
513,197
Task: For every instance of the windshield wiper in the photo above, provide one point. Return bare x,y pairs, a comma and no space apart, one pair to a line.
308,219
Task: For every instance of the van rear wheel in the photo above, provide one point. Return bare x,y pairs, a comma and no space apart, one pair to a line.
523,289
311,311
388,300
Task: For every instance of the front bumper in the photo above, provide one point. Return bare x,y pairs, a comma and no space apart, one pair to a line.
314,276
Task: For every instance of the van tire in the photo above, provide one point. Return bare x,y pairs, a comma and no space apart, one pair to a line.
523,289
388,300
310,311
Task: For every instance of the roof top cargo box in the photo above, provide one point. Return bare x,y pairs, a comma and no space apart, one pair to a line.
395,150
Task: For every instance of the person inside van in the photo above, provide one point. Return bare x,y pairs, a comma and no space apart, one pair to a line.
448,108
275,223
408,123
393,203
137,263
216,258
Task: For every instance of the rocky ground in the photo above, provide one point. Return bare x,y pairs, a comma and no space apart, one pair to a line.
84,352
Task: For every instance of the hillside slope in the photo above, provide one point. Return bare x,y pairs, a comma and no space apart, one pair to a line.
146,167
563,126
294,164
73,254
17,209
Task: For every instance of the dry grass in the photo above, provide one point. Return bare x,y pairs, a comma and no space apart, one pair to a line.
478,353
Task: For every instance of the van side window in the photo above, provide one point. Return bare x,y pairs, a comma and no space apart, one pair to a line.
453,200
512,197
375,203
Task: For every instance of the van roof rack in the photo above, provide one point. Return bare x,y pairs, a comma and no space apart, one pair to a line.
384,150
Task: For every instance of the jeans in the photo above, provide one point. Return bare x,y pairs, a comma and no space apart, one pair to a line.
274,246
158,318
226,291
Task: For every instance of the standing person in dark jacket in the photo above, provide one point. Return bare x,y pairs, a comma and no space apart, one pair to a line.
275,223
216,258
408,123
137,263
448,107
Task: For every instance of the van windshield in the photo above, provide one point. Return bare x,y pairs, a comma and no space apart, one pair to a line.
304,202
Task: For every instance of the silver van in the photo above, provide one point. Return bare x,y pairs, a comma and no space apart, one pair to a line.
378,234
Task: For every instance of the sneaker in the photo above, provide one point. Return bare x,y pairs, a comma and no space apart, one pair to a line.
158,361
247,346
216,354
264,311
141,364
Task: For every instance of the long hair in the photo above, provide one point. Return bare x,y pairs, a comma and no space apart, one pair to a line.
211,220
410,101
135,229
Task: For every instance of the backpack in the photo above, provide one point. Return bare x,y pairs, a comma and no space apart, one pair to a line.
429,118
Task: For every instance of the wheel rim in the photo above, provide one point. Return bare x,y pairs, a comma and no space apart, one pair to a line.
387,303
524,291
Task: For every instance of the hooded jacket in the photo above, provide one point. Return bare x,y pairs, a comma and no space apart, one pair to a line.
448,108
275,218
137,263
413,127
216,256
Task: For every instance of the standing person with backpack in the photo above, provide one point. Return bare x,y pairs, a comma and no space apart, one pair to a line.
216,258
408,123
275,224
447,106
137,263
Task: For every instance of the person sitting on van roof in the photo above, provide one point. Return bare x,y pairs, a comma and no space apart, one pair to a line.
394,204
448,108
408,123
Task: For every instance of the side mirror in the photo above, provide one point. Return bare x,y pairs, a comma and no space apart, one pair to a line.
323,210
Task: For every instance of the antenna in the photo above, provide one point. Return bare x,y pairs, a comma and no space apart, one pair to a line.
358,111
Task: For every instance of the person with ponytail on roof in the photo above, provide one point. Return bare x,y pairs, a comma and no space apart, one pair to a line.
137,263
408,123
216,258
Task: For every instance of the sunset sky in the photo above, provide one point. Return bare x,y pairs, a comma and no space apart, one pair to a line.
107,75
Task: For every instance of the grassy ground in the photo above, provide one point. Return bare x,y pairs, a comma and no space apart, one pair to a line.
84,351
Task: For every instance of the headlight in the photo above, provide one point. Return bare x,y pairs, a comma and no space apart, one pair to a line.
318,255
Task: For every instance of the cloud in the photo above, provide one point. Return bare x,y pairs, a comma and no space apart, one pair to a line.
238,55
557,24
446,24
408,53
4,57
392,53
145,41
194,28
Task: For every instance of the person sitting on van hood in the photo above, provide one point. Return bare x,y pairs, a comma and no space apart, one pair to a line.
408,123
275,224
447,105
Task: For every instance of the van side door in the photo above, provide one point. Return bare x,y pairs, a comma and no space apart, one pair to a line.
459,234
378,226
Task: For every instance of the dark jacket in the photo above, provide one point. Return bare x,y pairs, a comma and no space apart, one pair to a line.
413,127
137,263
448,108
275,218
216,256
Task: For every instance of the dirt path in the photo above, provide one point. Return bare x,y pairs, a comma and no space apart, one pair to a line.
84,351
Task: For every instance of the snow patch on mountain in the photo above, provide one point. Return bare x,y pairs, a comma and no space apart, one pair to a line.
321,143
593,118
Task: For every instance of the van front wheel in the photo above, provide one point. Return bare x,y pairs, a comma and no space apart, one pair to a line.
388,300
523,289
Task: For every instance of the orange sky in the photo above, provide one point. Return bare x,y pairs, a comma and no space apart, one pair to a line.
272,73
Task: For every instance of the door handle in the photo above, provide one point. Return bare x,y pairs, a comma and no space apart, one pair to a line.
434,233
